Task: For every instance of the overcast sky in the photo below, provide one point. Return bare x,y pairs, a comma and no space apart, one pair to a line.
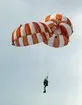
22,70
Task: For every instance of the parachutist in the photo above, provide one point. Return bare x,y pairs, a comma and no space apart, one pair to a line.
45,83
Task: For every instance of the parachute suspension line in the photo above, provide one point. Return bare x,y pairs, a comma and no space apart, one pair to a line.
48,73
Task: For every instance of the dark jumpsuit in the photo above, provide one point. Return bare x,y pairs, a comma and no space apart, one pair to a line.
45,84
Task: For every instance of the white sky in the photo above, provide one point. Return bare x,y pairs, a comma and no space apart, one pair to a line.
22,70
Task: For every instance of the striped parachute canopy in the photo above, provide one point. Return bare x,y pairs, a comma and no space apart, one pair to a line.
61,32
58,19
31,33
54,31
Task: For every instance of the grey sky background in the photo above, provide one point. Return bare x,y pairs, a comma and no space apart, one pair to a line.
22,70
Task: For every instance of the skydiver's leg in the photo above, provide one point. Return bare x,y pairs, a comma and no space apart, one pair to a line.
44,89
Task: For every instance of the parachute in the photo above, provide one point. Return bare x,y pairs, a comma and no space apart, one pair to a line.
54,31
61,32
31,33
58,18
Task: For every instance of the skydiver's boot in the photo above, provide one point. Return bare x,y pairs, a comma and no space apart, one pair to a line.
44,91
